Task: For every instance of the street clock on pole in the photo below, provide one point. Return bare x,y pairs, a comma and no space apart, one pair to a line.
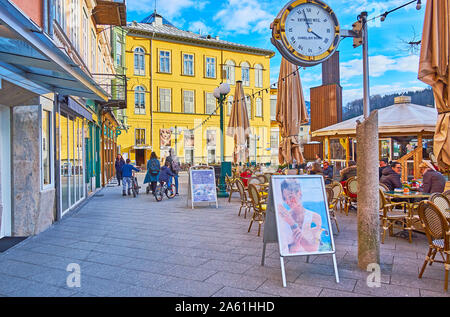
306,32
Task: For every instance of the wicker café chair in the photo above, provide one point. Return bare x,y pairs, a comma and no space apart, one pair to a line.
259,207
268,176
254,180
231,186
438,235
245,202
442,203
383,187
351,190
447,194
262,178
390,216
338,195
332,203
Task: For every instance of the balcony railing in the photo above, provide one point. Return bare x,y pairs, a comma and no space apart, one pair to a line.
116,86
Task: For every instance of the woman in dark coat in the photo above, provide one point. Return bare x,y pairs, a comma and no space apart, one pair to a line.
153,170
120,162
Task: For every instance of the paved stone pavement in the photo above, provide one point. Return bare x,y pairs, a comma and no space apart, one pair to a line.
138,247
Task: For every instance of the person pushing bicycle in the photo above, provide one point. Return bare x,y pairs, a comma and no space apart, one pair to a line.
127,174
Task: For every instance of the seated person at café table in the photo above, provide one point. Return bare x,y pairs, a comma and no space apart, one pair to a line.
349,171
383,164
392,176
433,181
327,173
316,169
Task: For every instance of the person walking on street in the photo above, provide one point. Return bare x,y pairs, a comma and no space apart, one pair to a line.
174,166
153,170
127,174
120,162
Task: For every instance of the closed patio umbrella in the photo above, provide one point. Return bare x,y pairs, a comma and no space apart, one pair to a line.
239,125
434,71
290,113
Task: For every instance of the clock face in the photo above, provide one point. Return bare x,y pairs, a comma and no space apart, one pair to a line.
306,32
310,29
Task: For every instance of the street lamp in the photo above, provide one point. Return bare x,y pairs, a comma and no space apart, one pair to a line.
176,131
221,93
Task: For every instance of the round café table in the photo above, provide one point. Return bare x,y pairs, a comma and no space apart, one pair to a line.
412,199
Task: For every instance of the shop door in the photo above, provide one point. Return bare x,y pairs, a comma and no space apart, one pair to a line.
5,172
140,157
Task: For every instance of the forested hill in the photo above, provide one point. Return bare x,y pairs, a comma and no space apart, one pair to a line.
420,97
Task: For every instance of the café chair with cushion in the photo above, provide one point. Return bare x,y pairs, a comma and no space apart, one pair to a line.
391,216
351,191
259,207
254,180
332,203
268,176
245,202
442,203
262,178
438,235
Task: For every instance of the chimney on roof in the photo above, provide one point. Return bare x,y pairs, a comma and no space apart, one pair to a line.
158,20
217,38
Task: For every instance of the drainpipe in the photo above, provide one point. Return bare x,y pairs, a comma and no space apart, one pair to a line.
151,91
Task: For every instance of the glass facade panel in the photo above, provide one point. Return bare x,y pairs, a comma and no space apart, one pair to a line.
46,147
65,163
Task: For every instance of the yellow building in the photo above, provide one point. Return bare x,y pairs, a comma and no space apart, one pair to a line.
171,78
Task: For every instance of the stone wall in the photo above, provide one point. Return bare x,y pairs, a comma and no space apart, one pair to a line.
32,210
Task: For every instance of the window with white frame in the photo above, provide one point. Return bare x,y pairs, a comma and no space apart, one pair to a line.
259,107
210,67
119,48
188,64
248,104
85,37
47,170
210,102
273,108
139,61
188,100
245,70
274,141
93,52
139,100
258,76
60,14
165,100
229,69
230,105
164,62
139,136
75,24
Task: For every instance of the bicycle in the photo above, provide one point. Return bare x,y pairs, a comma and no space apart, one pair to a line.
162,189
135,186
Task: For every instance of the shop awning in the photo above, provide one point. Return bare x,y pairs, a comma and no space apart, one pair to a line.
401,118
32,56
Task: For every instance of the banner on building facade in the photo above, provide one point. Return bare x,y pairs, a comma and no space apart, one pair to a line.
165,137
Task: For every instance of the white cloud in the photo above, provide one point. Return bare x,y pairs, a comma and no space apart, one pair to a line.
199,27
244,17
379,65
167,8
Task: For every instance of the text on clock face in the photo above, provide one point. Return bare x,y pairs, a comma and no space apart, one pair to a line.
310,29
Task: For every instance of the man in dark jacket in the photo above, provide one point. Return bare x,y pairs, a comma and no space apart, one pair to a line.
433,181
391,176
383,164
327,173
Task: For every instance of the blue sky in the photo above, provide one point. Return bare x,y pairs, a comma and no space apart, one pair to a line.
393,67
